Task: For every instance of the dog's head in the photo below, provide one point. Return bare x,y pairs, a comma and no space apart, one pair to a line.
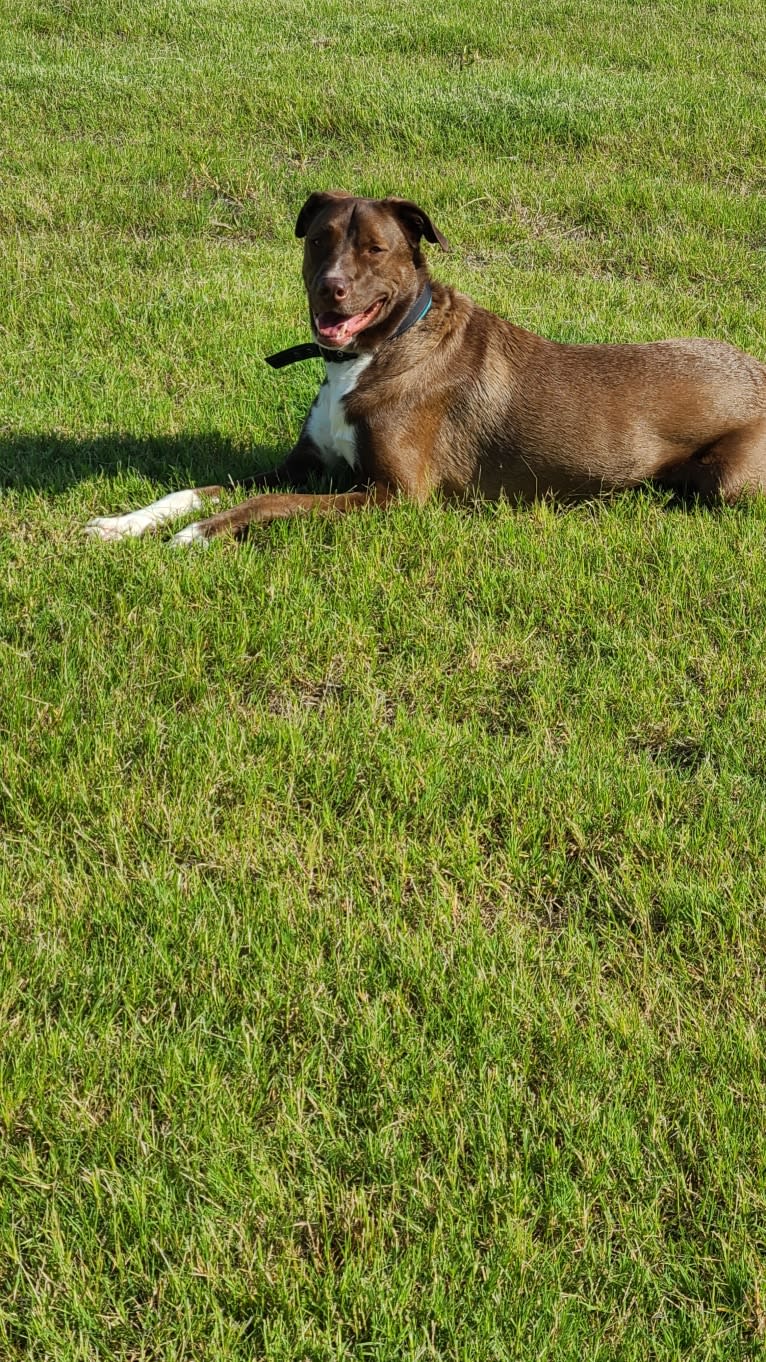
362,265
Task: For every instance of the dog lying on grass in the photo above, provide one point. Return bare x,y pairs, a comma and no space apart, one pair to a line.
426,391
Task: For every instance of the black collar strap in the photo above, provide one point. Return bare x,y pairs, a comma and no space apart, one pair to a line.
311,350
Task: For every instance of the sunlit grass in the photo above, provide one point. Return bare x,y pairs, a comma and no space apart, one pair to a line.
381,901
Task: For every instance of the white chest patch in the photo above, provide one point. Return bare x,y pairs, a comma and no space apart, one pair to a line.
326,423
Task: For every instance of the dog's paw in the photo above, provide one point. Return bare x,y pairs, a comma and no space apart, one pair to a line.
190,534
110,527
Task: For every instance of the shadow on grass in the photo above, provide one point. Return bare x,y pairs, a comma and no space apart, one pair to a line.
54,463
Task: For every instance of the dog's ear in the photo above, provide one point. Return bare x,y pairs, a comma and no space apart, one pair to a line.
417,223
312,206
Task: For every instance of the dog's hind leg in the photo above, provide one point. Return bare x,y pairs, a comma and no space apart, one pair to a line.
730,466
741,461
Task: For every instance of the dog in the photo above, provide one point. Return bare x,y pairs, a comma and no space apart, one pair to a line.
427,391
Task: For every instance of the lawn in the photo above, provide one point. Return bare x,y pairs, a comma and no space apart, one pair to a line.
382,935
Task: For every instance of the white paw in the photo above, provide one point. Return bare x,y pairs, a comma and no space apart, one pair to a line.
145,518
115,527
190,534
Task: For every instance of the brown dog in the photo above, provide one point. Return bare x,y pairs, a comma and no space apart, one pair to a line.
426,390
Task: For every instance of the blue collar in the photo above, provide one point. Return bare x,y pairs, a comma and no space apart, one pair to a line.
311,350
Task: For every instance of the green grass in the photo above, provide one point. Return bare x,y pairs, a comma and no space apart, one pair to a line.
381,901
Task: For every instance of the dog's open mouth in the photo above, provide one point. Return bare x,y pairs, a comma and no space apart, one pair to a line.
333,328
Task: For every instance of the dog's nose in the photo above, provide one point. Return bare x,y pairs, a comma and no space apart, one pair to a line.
333,288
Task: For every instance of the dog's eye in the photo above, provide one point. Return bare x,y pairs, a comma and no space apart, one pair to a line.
376,250
315,240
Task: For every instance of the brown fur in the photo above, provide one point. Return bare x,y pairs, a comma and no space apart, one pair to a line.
467,402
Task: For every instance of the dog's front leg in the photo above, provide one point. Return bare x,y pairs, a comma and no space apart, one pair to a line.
302,463
134,523
278,506
297,470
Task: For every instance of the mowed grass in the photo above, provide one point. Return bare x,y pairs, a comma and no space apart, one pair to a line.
382,900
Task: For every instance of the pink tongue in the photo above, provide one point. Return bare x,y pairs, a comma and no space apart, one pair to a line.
331,326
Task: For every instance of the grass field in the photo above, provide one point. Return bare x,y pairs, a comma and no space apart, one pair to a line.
381,901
